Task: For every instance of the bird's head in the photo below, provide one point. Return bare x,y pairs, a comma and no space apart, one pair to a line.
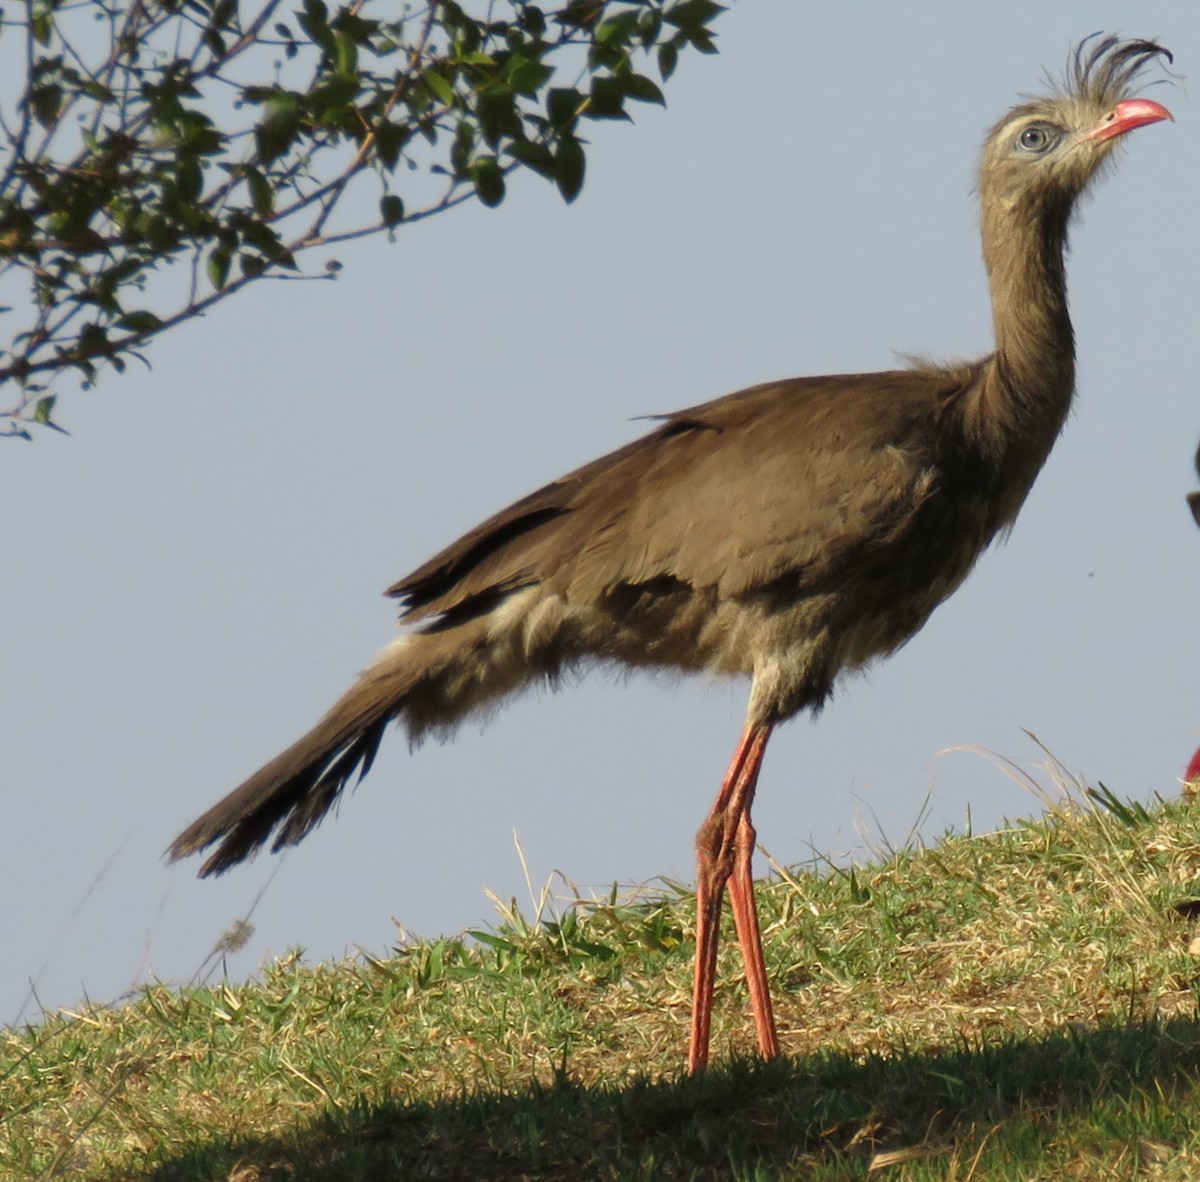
1042,155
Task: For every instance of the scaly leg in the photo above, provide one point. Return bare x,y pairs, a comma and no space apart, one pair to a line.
724,847
745,918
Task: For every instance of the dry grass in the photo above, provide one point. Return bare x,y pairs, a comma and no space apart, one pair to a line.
1019,1004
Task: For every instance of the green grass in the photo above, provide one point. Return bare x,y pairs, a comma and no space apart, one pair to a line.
1013,1005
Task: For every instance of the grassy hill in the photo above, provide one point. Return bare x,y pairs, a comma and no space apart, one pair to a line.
1011,1005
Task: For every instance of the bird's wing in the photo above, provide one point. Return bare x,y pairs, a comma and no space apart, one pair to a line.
792,477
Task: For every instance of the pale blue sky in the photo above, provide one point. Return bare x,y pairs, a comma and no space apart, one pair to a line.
195,574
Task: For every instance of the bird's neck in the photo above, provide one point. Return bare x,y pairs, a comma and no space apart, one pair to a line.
1030,379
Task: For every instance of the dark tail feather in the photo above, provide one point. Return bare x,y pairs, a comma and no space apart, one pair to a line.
297,788
429,681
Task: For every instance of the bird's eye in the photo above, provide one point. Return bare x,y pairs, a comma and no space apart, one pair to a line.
1039,137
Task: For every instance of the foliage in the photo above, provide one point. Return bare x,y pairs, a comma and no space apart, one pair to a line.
232,137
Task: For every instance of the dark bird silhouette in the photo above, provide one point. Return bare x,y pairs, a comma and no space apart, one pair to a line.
1194,497
790,532
1192,775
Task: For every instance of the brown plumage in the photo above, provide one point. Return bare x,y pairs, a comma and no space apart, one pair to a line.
789,532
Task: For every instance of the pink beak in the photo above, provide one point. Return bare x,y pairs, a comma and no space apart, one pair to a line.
1126,116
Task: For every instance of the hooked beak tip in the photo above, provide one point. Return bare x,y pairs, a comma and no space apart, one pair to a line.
1126,116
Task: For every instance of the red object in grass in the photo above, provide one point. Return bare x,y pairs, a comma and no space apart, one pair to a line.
1193,769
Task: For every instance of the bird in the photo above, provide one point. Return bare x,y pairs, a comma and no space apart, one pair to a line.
1192,775
790,533
1193,498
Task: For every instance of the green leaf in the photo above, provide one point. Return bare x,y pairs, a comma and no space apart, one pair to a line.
462,149
497,111
692,14
488,179
139,322
160,233
649,26
97,90
468,36
346,57
641,88
534,155
189,179
314,20
617,29
259,235
262,196
391,209
332,95
532,19
439,86
93,339
218,266
453,15
42,27
569,165
46,101
282,111
702,40
197,134
279,126
126,269
607,100
668,59
224,12
359,29
390,139
43,411
580,14
563,105
525,75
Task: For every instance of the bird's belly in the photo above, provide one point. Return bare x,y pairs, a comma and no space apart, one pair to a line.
793,633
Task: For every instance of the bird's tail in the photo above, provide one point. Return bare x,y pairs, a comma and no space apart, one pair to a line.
426,680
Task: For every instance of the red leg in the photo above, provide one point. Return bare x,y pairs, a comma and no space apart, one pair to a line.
724,847
745,917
